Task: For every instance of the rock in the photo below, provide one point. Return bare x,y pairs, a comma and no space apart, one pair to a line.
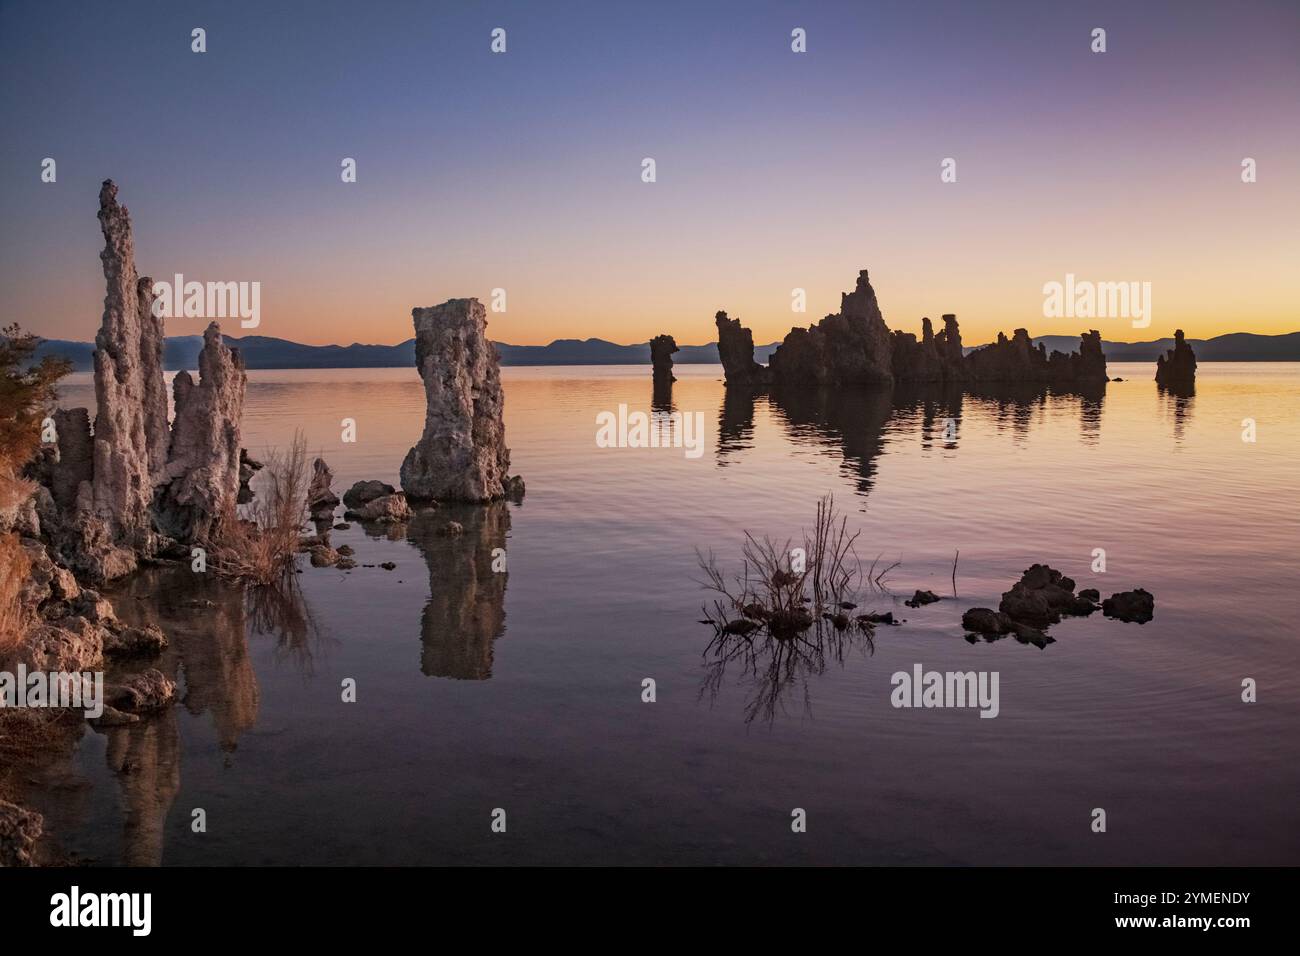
1178,365
874,618
343,526
1040,597
1026,634
19,830
1137,606
1019,360
366,491
736,353
345,550
740,626
386,510
112,717
131,436
462,454
145,641
345,564
452,528
852,347
514,488
323,556
388,565
321,500
1090,594
201,479
662,348
921,598
99,610
983,620
73,644
248,467
76,464
142,693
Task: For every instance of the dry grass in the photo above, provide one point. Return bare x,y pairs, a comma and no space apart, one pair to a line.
262,549
13,572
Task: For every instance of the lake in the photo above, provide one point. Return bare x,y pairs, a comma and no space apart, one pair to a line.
479,690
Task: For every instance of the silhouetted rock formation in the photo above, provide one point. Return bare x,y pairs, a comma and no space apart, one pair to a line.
1018,360
1178,365
936,358
856,347
1135,607
851,347
201,480
662,348
462,455
736,352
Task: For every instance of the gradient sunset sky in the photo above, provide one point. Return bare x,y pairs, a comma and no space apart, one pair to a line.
775,170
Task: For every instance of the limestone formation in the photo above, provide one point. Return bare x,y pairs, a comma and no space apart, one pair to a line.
20,829
321,500
1178,365
851,347
462,455
736,353
201,480
662,348
1018,360
366,491
130,443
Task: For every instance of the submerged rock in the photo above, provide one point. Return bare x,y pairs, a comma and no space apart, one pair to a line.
462,454
129,641
921,598
1137,606
1178,365
141,693
983,620
388,509
366,491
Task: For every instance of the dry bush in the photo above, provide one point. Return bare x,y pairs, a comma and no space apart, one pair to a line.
27,392
262,548
771,594
13,572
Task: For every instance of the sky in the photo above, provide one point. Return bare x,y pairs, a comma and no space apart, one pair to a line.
775,170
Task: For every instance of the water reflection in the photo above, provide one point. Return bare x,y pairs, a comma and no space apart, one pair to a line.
1178,399
465,612
776,670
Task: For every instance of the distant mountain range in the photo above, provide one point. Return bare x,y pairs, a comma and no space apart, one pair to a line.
263,352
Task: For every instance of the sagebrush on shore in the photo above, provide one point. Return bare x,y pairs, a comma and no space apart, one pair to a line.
262,548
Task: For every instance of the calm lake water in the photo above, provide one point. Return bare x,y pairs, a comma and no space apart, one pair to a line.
522,691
